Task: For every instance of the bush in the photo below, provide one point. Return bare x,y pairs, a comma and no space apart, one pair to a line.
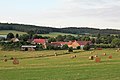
70,49
65,47
78,47
39,47
86,47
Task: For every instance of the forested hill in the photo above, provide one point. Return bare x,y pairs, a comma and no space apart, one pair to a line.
44,29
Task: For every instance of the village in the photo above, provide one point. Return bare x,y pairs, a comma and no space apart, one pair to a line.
33,42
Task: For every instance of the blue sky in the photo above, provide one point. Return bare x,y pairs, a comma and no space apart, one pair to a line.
62,13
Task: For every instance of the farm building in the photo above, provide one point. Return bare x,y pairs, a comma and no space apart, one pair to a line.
73,44
41,41
60,44
15,40
28,48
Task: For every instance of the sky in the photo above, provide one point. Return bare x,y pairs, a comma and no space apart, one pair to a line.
62,13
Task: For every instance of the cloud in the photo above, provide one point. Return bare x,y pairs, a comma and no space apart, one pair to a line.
76,13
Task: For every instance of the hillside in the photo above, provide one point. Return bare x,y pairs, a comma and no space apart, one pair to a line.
46,30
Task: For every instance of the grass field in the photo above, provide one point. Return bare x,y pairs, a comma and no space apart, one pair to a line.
5,32
55,34
60,67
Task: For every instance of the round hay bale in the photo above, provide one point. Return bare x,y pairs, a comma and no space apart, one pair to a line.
73,56
91,57
5,56
95,56
117,50
5,60
104,54
55,54
11,58
110,57
97,60
15,61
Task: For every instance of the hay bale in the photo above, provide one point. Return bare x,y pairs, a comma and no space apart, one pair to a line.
117,50
73,56
15,61
5,56
55,54
91,57
11,58
110,57
95,56
104,54
5,60
97,60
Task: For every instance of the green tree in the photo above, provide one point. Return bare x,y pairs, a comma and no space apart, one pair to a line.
24,37
39,47
78,47
51,40
93,40
69,38
17,35
10,36
70,49
99,35
59,38
86,47
116,42
31,33
65,46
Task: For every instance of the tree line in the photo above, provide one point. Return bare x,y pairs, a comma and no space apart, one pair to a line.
100,41
45,29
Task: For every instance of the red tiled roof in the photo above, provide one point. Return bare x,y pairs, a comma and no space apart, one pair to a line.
55,44
41,41
62,43
83,42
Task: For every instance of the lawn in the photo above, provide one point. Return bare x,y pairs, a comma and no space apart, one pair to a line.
60,67
55,34
5,32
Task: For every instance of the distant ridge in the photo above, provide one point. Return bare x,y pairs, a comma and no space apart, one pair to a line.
45,29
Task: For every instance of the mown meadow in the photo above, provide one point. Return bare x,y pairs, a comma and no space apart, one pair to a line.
43,65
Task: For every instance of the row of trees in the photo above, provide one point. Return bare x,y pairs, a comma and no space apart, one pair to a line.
44,30
103,41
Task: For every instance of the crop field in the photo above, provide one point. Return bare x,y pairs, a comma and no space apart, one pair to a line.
55,34
44,65
5,32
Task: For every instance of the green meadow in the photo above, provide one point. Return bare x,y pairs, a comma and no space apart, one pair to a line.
55,34
43,65
5,32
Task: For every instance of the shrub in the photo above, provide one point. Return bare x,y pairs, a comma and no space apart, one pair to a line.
86,47
78,47
70,49
65,46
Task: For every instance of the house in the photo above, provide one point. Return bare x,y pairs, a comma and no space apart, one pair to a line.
54,44
43,42
60,44
15,40
75,44
28,48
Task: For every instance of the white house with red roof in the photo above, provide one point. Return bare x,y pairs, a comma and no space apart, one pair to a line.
41,41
